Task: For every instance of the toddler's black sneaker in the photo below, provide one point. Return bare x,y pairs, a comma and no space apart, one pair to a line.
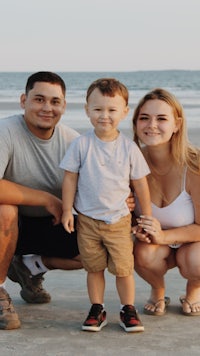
129,319
96,318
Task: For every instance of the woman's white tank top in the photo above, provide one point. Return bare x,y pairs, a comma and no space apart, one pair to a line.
178,213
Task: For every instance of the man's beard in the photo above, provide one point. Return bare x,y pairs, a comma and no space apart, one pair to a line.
45,128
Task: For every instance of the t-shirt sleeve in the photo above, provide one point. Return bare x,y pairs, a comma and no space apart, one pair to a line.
71,160
5,149
139,166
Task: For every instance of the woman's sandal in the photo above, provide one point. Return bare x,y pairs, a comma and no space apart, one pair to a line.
155,305
191,313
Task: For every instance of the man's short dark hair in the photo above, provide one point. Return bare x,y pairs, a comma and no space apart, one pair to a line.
47,77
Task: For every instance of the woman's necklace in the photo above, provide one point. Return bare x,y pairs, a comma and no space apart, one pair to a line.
158,172
163,173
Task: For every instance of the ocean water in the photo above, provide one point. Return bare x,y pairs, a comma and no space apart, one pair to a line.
184,84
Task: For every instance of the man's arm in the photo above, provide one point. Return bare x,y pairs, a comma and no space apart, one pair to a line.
15,194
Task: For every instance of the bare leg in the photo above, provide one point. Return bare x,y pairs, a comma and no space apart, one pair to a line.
8,237
96,287
189,267
62,263
151,263
126,289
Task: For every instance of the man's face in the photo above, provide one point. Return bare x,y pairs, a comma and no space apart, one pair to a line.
43,107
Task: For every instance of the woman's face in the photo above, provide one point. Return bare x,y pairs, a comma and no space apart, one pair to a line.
156,123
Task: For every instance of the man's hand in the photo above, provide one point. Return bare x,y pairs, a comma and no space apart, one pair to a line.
54,207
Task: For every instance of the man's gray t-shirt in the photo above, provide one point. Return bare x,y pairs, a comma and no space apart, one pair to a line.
31,161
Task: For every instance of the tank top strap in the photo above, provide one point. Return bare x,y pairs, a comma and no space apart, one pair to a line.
184,179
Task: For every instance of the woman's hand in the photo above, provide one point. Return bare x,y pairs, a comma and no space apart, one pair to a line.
140,234
149,228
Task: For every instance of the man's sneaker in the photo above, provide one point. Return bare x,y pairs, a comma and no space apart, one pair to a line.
32,290
96,318
129,319
8,316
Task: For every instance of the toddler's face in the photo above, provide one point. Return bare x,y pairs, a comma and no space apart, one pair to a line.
105,112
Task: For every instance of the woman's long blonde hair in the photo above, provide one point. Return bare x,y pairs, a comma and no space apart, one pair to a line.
183,152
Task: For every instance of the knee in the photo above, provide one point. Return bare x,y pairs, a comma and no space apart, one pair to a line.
8,217
189,264
142,255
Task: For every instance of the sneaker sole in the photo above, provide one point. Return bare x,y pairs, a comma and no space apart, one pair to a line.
94,328
31,300
131,329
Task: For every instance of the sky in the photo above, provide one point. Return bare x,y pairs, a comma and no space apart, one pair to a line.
99,35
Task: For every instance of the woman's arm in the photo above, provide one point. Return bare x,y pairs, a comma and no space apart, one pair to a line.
178,235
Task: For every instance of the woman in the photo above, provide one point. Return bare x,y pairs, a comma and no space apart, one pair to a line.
172,237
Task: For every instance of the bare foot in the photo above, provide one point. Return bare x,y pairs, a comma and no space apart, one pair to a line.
157,308
190,308
191,301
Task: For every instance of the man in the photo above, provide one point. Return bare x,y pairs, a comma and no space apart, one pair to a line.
31,148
